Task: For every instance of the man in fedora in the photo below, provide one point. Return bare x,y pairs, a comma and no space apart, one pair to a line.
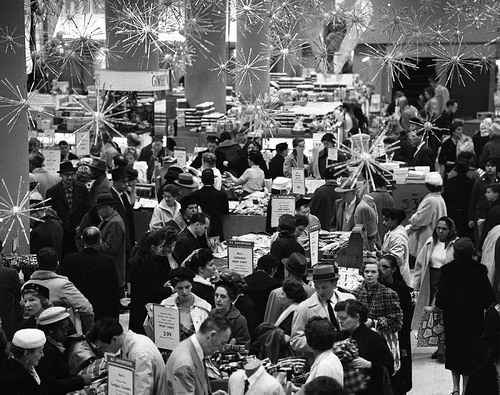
101,183
45,230
123,206
113,234
321,303
295,268
343,209
70,199
186,184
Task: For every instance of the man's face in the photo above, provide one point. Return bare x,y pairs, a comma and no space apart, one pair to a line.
490,169
190,210
241,138
453,108
211,147
325,289
348,196
157,146
200,229
415,139
490,195
216,341
327,144
120,185
111,348
132,183
304,210
64,149
104,210
67,178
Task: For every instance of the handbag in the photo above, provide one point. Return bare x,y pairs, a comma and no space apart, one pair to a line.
392,340
431,328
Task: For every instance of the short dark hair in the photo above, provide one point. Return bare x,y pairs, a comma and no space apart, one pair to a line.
353,307
62,142
329,173
200,259
200,217
225,136
430,91
324,385
492,161
181,274
379,181
231,288
297,140
104,330
91,235
394,213
462,166
320,334
301,220
451,102
495,187
294,290
170,188
119,173
267,263
215,322
47,259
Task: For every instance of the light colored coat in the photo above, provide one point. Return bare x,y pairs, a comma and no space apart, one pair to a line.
162,214
424,220
261,383
396,243
309,308
150,377
199,310
422,280
186,374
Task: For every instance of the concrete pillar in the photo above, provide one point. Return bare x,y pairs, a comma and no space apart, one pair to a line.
201,83
254,36
127,61
14,145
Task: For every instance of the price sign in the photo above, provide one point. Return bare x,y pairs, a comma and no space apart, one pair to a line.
82,141
240,256
166,320
180,155
314,244
281,205
120,376
298,181
333,155
52,159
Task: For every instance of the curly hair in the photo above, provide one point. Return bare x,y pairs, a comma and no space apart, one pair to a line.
320,334
235,278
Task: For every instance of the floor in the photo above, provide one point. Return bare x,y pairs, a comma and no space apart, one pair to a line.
429,377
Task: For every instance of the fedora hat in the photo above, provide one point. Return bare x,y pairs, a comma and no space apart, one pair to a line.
98,164
105,199
296,263
186,180
325,272
66,167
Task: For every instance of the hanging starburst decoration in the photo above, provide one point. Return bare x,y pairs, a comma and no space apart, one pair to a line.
108,114
176,56
197,25
476,18
222,67
418,34
263,112
395,20
139,27
485,62
250,12
13,211
247,65
454,62
456,10
287,49
394,62
21,105
359,17
10,40
428,127
323,55
439,31
428,6
86,44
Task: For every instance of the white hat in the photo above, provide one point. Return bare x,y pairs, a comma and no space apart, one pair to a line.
281,183
28,338
52,315
434,178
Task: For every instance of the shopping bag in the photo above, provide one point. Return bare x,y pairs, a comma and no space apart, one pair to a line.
431,328
393,342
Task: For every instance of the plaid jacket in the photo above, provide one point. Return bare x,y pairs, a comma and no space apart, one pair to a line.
383,306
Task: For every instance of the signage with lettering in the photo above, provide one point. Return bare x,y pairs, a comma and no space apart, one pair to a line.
180,155
120,376
167,334
314,244
281,205
132,80
240,256
298,181
52,159
82,140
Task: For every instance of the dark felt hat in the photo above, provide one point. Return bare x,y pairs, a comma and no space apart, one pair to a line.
98,164
325,272
296,263
66,167
105,199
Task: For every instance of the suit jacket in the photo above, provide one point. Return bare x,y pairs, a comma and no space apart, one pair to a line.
113,242
47,234
322,202
100,185
215,204
94,274
260,284
276,166
70,217
186,243
423,157
10,295
338,215
125,210
186,373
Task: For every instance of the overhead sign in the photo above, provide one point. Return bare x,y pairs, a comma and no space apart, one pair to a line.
132,80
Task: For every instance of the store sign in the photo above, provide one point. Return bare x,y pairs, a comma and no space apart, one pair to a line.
82,141
52,159
314,244
240,256
132,80
180,155
298,181
281,205
166,322
120,376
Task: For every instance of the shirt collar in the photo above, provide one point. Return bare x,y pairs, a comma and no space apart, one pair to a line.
256,376
197,347
202,280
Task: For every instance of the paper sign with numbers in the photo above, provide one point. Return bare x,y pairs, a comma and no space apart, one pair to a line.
240,256
314,244
333,155
121,374
180,155
298,181
52,159
281,205
167,334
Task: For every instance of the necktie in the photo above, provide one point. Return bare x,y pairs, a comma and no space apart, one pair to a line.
331,313
247,384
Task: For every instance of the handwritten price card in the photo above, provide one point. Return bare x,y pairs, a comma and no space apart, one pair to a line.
166,326
240,256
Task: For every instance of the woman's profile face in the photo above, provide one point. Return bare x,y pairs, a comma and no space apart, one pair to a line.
34,356
32,305
222,299
346,322
442,230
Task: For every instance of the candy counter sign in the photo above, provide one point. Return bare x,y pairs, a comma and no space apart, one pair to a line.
240,256
166,327
120,376
281,205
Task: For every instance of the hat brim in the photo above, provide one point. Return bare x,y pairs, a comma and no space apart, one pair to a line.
341,189
192,185
284,262
325,277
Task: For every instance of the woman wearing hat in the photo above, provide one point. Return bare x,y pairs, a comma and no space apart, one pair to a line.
18,375
53,367
35,299
464,294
